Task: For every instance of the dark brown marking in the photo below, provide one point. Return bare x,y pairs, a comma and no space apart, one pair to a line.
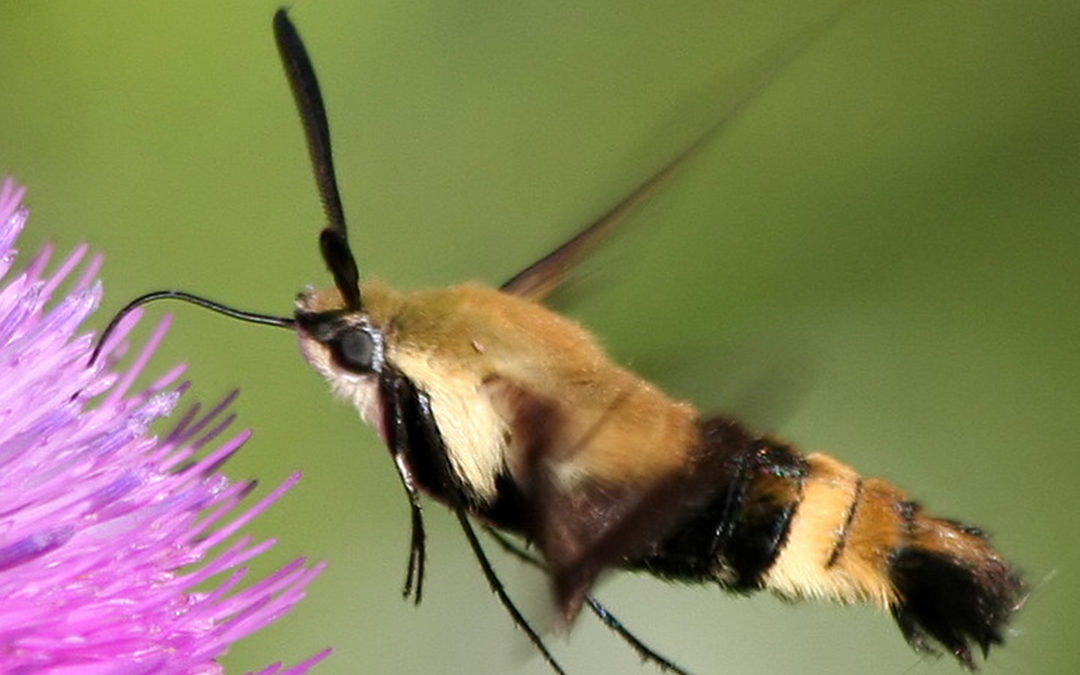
841,539
908,510
734,536
952,587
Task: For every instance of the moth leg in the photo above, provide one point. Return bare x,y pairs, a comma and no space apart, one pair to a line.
606,617
514,549
399,443
417,556
500,592
643,650
455,497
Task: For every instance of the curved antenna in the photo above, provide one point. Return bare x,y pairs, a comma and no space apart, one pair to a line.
333,240
251,317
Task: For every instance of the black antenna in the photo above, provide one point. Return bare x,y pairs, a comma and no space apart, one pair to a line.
252,317
333,240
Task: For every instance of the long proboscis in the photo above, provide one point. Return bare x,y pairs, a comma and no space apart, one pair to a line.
232,312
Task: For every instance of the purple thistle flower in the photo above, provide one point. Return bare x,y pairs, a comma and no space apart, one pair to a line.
109,535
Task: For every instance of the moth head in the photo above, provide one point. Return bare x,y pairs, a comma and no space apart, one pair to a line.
336,335
337,340
347,346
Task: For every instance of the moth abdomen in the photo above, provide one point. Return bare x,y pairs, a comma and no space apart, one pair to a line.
811,527
953,588
737,518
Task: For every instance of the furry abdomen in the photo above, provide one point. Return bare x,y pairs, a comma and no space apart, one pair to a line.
809,526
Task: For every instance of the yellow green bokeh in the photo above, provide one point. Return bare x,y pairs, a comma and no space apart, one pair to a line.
889,231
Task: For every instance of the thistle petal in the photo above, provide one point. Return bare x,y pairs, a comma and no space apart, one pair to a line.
109,536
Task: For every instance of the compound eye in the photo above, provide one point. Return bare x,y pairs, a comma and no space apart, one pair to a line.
355,351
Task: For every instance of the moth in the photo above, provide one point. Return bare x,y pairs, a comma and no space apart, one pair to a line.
512,416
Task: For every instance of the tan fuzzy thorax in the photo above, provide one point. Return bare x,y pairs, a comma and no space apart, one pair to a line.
481,354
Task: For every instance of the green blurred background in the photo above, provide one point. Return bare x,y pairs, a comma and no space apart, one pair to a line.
878,258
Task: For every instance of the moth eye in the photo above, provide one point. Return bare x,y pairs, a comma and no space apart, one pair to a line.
355,351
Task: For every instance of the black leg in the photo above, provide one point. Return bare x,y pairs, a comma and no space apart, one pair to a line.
399,443
415,571
500,592
456,499
643,650
514,549
606,617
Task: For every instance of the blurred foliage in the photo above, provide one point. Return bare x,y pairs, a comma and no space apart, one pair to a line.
892,222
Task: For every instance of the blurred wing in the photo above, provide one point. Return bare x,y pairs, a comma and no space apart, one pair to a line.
539,279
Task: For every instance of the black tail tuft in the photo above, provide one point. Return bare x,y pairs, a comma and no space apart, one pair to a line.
954,600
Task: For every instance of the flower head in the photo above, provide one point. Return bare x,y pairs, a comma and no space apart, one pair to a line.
110,536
